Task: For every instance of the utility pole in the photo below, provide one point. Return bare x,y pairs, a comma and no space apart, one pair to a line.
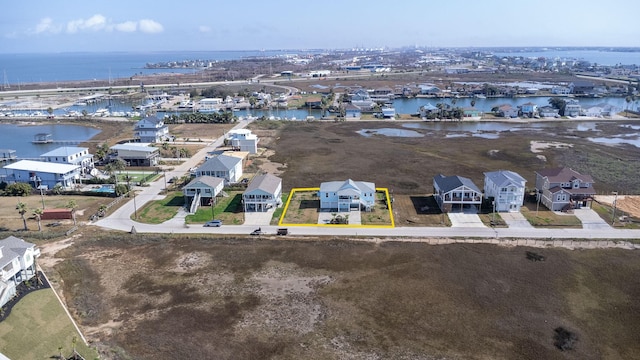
615,201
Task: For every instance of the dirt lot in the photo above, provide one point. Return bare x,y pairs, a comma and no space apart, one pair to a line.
160,297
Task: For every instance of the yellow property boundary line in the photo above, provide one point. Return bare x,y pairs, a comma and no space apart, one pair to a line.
294,190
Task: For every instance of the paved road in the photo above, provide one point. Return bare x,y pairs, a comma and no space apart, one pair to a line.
120,219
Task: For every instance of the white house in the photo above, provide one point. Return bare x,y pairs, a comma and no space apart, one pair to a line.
41,173
243,140
17,261
548,112
151,130
572,108
508,111
71,155
452,191
506,188
136,154
201,191
227,167
347,195
263,193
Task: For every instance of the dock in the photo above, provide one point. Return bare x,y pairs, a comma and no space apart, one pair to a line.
8,155
42,138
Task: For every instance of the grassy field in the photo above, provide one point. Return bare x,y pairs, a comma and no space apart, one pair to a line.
10,218
540,216
303,208
202,297
156,212
23,334
228,209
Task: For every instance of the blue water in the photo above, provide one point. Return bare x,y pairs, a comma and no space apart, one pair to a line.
609,58
29,68
20,138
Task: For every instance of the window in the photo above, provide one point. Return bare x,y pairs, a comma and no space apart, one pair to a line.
326,195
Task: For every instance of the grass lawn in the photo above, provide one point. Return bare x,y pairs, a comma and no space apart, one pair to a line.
136,177
37,327
228,209
543,217
497,220
278,211
157,212
303,208
379,215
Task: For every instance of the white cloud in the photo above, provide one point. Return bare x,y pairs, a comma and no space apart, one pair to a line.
150,26
46,25
95,23
127,26
204,29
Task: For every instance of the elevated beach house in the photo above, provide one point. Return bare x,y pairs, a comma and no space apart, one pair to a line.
562,189
456,193
17,261
201,191
136,154
151,130
242,140
71,155
506,189
347,195
263,193
41,173
223,166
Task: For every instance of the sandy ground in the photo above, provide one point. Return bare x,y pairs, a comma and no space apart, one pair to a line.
628,203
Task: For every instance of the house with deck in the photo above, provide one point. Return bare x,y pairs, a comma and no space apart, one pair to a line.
151,130
529,109
202,191
263,193
18,264
456,193
242,140
506,189
135,154
347,195
223,166
562,189
71,155
41,173
572,108
352,111
507,111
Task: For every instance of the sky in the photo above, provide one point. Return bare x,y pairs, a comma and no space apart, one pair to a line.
45,26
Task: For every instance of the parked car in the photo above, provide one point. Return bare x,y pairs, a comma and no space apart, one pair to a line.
283,231
216,223
257,231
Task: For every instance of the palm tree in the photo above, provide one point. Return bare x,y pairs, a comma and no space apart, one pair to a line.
72,204
38,214
22,209
473,103
628,100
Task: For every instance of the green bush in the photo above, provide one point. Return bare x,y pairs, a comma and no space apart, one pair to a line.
18,189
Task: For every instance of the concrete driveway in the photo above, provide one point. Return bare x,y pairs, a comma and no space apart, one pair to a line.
590,219
516,220
258,218
465,220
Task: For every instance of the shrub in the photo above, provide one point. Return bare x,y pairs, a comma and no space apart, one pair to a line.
18,189
564,339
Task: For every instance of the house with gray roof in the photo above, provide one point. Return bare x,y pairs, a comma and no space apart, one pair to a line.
263,193
136,154
506,189
202,191
347,195
456,192
223,166
561,189
17,261
151,130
